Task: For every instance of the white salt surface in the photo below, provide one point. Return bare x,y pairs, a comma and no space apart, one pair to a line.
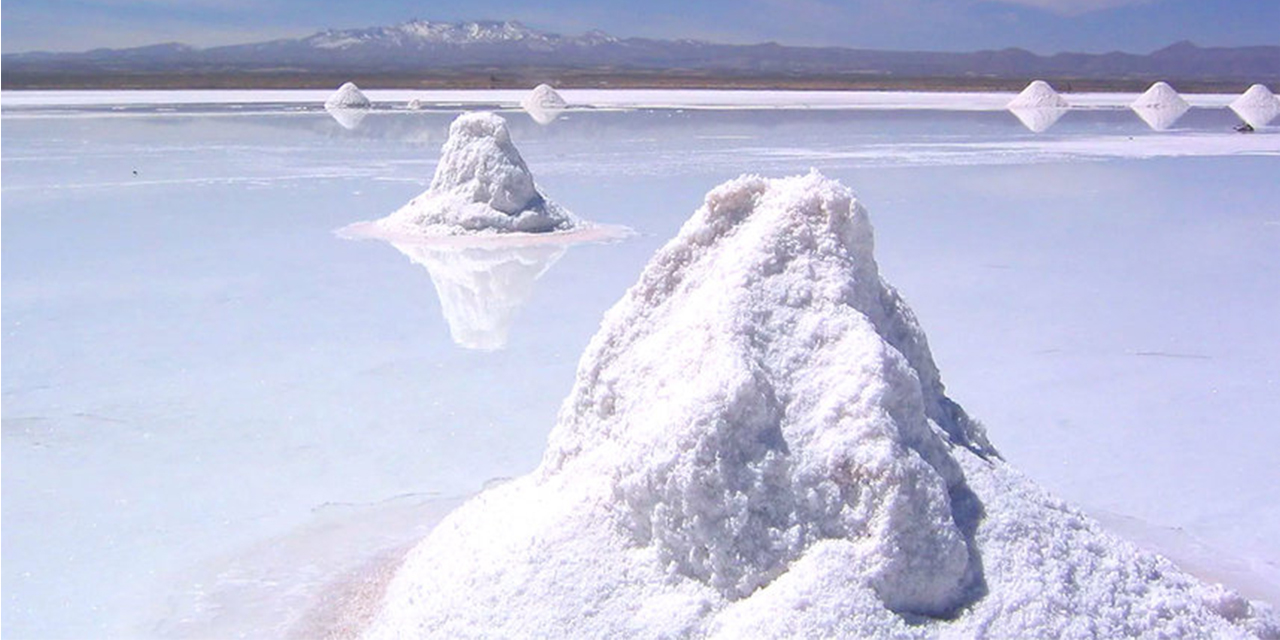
758,444
480,185
1257,106
1160,106
183,387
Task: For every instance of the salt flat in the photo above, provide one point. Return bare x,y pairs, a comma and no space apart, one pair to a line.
195,366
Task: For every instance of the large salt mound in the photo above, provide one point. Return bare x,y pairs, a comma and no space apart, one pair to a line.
758,445
1038,94
481,185
1160,106
348,96
1257,106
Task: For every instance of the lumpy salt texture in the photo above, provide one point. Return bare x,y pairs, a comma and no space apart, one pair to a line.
480,185
348,96
758,444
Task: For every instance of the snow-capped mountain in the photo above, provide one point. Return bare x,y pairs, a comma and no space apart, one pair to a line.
422,46
425,33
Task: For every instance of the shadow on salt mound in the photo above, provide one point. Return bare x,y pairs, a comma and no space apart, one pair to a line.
760,397
758,444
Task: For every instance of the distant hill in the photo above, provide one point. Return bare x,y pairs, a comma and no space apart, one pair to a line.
413,53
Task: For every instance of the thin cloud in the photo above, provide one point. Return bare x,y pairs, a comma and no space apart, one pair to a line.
1074,7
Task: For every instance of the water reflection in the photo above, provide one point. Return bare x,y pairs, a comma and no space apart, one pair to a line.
543,114
348,117
1038,119
1159,118
482,288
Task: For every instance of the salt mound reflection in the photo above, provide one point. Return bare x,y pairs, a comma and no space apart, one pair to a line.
348,117
482,288
1038,119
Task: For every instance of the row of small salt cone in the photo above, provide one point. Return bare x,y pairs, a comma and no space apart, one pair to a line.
348,104
1039,106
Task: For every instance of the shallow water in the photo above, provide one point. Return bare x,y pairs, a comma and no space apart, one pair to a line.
199,374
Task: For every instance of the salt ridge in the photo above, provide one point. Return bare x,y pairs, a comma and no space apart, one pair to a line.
759,444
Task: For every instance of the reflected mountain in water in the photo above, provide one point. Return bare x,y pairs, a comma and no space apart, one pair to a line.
482,288
1038,119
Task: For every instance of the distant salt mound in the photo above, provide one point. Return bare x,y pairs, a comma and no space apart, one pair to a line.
1160,107
480,185
1038,107
1038,94
758,444
1257,106
348,96
348,105
415,104
543,104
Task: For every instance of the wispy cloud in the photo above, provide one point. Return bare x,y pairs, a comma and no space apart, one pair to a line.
1074,7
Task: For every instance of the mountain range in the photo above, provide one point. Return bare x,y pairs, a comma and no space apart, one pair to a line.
421,48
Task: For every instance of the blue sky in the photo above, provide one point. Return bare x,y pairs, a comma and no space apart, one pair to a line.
1043,26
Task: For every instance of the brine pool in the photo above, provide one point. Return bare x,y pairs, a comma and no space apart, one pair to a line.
218,414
